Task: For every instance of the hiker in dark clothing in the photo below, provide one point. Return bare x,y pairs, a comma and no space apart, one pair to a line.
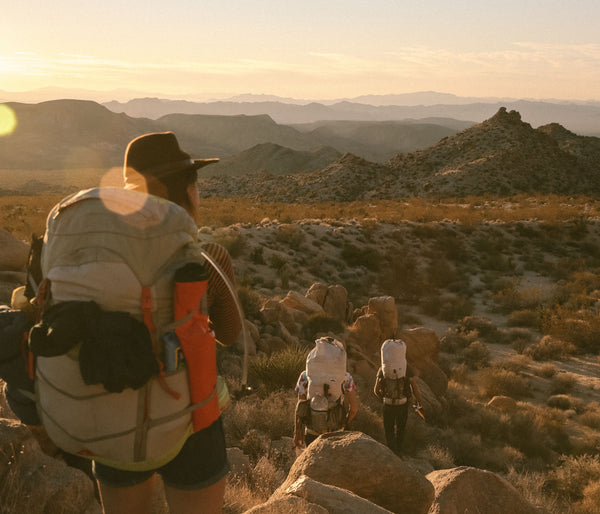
395,410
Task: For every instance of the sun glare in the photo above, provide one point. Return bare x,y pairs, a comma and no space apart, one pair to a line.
8,120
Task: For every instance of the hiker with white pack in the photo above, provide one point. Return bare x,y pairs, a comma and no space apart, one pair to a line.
395,386
327,398
125,351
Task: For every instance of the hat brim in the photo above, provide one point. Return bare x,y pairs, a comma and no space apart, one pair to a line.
200,163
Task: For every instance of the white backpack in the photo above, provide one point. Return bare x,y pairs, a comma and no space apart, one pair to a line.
110,245
393,366
326,373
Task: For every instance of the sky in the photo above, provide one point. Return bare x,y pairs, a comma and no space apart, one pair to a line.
205,49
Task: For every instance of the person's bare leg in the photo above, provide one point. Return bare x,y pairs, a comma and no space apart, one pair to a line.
205,501
136,499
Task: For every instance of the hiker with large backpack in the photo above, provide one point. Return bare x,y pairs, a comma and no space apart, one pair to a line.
327,397
125,351
395,386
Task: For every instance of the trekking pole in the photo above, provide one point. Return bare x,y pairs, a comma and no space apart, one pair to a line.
238,305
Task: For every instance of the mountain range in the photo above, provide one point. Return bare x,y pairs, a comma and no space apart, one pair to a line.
62,134
326,160
581,118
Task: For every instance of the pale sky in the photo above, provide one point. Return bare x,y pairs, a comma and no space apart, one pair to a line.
313,49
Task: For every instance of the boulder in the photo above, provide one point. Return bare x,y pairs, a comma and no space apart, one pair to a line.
334,499
467,489
433,409
13,252
433,376
385,308
33,482
503,403
335,302
288,503
421,344
356,462
294,300
317,293
239,462
365,333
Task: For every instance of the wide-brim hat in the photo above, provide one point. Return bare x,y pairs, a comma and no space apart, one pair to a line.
158,155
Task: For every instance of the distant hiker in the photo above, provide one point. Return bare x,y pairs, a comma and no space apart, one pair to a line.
395,386
327,398
125,351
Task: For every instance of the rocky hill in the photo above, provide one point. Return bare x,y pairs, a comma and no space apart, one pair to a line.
501,156
274,159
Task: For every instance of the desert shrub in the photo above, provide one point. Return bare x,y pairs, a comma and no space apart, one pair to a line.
562,383
591,416
484,328
241,496
251,302
454,340
476,355
256,255
440,273
515,363
460,373
559,401
581,327
550,348
531,485
366,256
271,414
291,235
401,276
438,456
495,381
524,318
573,475
590,503
446,307
321,323
277,261
233,241
255,445
280,369
266,476
546,371
538,435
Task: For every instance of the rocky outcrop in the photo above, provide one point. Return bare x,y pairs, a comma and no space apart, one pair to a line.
13,253
384,307
355,462
334,499
33,482
467,489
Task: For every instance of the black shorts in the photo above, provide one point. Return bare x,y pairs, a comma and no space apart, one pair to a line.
201,463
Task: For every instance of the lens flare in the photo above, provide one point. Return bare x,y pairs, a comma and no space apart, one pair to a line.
8,120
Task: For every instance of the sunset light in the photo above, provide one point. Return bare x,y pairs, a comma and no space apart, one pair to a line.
8,120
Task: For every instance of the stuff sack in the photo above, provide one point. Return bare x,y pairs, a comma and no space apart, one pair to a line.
120,249
326,372
393,365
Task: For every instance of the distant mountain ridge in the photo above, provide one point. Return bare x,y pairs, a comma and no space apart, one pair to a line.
581,118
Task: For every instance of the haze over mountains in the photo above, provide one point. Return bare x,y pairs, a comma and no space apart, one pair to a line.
581,118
